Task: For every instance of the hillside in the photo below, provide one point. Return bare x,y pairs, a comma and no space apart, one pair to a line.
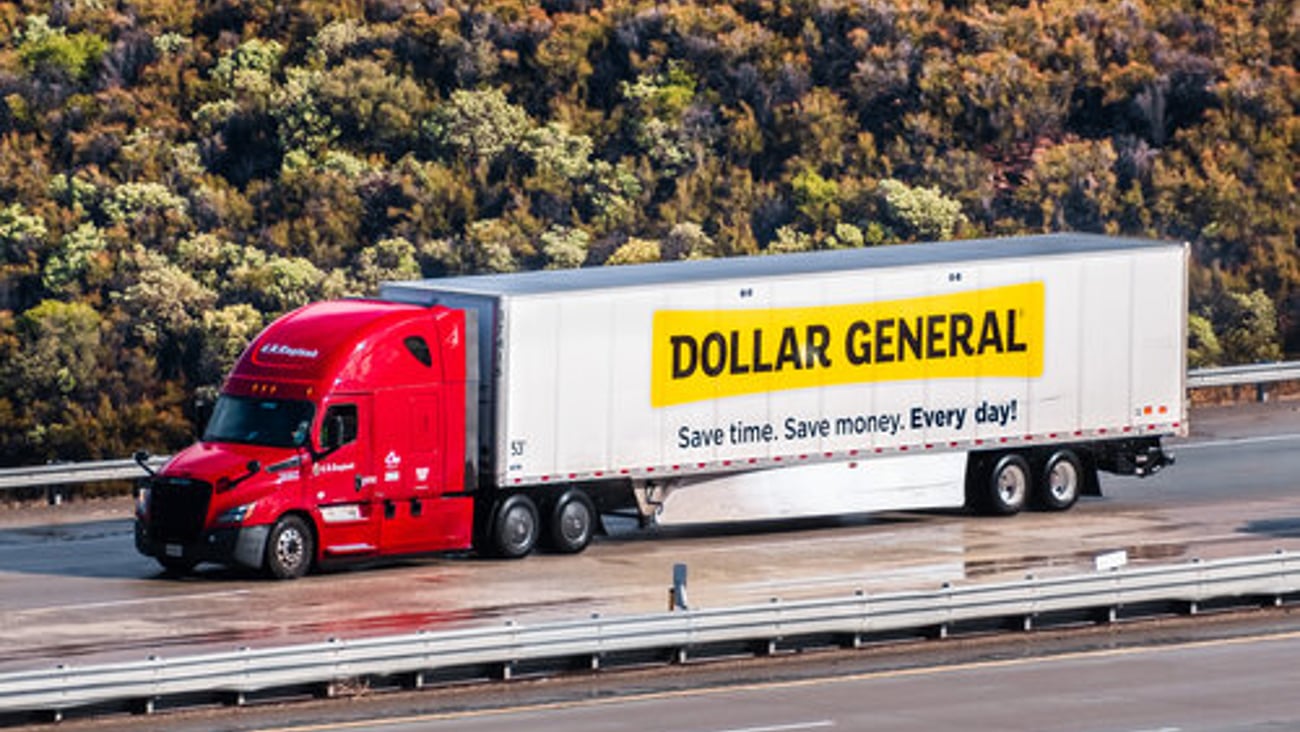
174,173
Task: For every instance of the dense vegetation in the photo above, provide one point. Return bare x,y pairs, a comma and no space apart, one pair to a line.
174,173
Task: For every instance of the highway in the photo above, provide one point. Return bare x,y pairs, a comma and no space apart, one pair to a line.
72,589
1220,685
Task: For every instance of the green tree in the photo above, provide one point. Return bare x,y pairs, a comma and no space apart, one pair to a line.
387,260
51,52
1203,348
635,251
224,334
22,235
921,213
1247,327
478,127
565,248
59,354
81,259
163,300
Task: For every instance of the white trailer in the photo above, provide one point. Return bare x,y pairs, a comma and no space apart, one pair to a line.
992,373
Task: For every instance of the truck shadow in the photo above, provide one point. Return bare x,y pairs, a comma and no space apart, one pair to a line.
620,530
1278,528
99,549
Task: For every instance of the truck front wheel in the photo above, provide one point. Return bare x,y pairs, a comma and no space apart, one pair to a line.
1008,485
289,549
515,527
572,522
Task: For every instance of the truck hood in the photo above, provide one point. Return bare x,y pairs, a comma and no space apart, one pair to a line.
211,461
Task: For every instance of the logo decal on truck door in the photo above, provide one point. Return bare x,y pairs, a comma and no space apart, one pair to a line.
710,354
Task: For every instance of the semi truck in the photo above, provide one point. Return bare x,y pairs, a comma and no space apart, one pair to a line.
500,413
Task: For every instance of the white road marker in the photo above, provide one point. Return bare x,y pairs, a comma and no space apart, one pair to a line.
794,727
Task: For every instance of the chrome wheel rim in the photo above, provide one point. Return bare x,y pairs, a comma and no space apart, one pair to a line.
1063,481
289,548
1012,483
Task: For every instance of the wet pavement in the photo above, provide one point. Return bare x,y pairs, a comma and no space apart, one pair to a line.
73,590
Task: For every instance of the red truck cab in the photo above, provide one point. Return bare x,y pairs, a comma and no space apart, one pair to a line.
340,435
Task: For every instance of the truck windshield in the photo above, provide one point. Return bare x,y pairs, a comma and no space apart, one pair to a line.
268,422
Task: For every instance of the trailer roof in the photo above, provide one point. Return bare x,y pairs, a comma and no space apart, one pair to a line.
665,273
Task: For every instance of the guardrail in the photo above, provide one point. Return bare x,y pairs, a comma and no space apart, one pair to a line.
673,636
63,474
1258,373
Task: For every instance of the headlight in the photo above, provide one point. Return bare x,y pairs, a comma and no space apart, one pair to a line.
236,515
142,501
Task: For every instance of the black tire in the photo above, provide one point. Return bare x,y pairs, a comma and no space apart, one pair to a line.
290,549
515,527
571,523
1060,482
177,566
1007,487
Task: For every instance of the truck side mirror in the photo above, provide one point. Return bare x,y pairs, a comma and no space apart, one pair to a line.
142,459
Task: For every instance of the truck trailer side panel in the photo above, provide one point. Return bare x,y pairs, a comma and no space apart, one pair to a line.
953,347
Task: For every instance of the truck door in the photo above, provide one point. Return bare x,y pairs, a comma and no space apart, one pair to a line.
403,495
343,478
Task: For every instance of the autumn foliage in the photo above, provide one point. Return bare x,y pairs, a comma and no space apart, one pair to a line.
175,173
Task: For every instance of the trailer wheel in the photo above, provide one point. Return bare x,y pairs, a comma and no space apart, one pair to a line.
572,522
1060,482
1008,485
289,549
515,527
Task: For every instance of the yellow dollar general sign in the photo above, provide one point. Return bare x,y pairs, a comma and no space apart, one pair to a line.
709,354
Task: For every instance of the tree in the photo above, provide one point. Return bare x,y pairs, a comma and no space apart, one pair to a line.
1203,348
688,240
478,127
1247,327
921,213
635,251
163,301
81,260
387,260
53,54
59,354
1073,186
565,248
224,334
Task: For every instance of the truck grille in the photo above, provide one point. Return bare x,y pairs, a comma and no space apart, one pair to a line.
178,509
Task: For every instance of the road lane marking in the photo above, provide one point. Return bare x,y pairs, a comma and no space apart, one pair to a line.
129,603
1233,441
904,673
793,727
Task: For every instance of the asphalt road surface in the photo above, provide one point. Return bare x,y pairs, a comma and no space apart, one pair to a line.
1222,685
73,590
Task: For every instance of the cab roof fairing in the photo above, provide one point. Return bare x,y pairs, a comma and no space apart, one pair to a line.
328,347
